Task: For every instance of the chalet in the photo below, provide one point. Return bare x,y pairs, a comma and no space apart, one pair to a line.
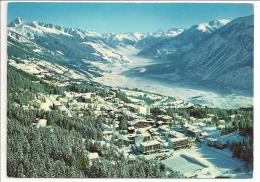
154,132
88,97
140,123
164,118
56,104
175,134
193,132
143,110
143,137
179,143
92,156
41,123
127,139
150,146
164,129
160,123
204,135
106,133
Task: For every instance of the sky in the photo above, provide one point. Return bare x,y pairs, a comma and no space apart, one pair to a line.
126,17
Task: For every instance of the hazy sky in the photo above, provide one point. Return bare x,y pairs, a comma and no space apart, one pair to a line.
125,17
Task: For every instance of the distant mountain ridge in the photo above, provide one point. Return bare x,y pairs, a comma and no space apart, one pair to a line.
138,39
173,47
220,51
78,49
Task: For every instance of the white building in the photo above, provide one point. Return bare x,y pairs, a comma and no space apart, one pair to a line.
150,146
41,123
92,156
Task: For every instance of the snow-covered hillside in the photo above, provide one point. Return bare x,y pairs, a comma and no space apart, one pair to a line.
64,45
216,53
226,56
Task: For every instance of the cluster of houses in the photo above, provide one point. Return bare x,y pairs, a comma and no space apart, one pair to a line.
164,133
145,133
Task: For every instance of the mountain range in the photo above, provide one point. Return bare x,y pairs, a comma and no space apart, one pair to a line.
222,56
218,52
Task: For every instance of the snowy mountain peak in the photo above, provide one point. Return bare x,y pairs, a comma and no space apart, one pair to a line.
82,33
173,32
138,35
218,23
116,39
35,23
212,25
40,28
18,21
203,27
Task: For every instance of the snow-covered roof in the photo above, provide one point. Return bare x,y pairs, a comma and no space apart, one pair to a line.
177,134
204,133
93,155
150,143
178,139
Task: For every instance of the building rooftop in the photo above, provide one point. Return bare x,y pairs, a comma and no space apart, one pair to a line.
204,133
177,134
164,128
164,116
178,139
93,155
150,143
143,134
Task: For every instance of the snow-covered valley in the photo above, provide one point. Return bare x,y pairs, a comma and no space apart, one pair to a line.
158,62
116,78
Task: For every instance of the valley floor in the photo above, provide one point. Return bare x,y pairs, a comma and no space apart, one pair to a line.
116,78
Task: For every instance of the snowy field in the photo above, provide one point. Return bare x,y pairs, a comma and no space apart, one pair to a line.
205,162
117,79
